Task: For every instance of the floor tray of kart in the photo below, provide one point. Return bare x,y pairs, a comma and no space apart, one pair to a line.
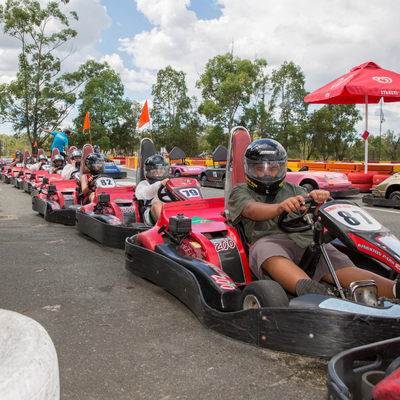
53,201
193,253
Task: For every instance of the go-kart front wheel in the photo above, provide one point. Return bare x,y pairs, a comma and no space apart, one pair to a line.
264,293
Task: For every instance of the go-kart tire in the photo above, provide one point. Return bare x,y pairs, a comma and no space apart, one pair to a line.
265,293
177,174
203,180
308,187
395,195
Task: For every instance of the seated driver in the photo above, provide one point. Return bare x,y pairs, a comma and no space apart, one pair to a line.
94,166
41,161
76,157
156,170
17,160
58,164
276,255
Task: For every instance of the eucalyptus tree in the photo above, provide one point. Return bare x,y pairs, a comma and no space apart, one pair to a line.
227,86
287,98
40,95
175,120
112,120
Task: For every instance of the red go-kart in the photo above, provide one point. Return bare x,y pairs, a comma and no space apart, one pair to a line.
196,254
115,213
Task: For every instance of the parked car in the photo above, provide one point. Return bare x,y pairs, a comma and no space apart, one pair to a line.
183,168
214,176
386,194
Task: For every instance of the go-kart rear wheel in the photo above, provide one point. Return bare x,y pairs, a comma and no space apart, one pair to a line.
264,293
177,174
203,180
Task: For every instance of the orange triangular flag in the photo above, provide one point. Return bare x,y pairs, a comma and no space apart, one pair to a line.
35,144
86,124
144,116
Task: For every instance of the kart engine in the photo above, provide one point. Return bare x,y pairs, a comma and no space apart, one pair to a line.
191,248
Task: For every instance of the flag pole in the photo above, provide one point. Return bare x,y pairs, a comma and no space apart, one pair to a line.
90,135
150,131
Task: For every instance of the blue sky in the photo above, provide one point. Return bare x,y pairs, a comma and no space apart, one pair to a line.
139,37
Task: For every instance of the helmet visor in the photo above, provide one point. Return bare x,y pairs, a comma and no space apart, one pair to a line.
265,171
157,172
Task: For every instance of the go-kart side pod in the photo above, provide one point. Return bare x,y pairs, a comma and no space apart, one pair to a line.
55,211
353,374
311,325
107,229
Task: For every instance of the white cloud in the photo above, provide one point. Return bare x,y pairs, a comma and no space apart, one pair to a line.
324,38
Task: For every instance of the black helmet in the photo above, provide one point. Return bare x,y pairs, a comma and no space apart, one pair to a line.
58,161
43,157
153,164
264,164
76,153
96,148
95,164
18,155
29,160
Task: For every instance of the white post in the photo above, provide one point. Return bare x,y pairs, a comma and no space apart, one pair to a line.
366,140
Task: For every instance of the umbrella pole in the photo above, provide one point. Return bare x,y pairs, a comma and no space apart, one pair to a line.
366,129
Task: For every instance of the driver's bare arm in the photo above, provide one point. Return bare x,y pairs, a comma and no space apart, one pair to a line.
257,211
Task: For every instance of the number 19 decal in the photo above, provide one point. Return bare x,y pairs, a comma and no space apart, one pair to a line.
353,217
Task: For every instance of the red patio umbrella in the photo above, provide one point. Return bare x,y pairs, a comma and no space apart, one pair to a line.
367,83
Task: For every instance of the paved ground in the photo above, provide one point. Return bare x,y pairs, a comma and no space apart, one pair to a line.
120,337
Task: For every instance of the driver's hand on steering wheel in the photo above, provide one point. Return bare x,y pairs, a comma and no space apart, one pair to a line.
164,182
319,196
291,205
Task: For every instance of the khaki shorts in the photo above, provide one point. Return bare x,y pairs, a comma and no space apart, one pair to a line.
283,246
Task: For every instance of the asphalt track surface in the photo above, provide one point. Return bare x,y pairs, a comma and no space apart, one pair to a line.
120,337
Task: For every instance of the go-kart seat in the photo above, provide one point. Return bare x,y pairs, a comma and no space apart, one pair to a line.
239,140
71,149
87,149
146,150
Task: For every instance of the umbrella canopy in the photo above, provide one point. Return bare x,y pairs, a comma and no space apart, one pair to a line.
366,83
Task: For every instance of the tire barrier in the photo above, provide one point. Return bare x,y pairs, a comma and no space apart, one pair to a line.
378,178
28,360
361,177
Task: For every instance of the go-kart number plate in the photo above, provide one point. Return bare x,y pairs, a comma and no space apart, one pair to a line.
230,259
189,193
105,183
353,217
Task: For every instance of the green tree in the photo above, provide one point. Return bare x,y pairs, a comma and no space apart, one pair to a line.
288,96
342,133
227,85
175,119
391,145
40,95
111,116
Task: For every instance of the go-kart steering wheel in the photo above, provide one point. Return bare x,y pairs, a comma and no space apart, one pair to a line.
287,225
164,195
